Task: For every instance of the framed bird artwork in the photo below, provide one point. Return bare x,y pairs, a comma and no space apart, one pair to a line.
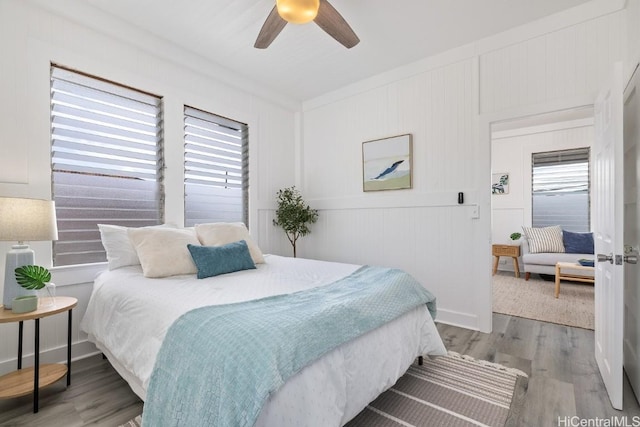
387,163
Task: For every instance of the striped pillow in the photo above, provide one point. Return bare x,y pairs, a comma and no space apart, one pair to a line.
547,239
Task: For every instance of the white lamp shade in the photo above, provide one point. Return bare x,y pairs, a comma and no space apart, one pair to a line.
27,220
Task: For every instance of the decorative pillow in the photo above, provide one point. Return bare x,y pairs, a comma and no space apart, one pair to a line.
216,260
547,239
163,251
221,233
577,243
120,250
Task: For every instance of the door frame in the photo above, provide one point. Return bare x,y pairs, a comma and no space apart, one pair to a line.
631,360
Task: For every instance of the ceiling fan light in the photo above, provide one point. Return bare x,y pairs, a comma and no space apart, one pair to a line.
298,11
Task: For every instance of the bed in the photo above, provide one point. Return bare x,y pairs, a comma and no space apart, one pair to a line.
129,315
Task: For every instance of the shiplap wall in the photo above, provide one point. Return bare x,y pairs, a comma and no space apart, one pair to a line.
633,36
31,38
567,63
441,102
421,230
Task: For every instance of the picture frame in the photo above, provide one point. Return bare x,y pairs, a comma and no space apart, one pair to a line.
500,183
387,163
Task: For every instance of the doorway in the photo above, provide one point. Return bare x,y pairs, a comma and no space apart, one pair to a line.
514,142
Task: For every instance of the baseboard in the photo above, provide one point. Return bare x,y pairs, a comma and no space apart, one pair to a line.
456,318
79,350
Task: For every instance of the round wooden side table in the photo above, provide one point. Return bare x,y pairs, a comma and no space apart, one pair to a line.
24,381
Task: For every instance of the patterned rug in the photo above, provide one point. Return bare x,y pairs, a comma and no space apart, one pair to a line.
453,390
534,299
136,422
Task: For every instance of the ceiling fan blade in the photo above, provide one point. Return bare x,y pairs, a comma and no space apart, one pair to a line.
270,29
330,20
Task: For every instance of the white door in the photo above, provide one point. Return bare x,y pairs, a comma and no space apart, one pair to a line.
608,228
632,232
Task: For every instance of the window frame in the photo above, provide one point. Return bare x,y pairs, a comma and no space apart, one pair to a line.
199,128
572,156
101,133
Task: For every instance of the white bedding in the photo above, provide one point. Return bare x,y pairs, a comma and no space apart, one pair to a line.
128,316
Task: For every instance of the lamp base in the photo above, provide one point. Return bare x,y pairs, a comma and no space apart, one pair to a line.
18,256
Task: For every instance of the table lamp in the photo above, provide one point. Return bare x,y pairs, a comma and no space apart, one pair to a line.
23,220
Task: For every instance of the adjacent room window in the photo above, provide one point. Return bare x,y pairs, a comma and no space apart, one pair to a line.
106,161
215,168
560,189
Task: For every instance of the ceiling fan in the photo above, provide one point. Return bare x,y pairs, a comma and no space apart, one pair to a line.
301,12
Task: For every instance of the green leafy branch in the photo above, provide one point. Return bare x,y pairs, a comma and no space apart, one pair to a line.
32,277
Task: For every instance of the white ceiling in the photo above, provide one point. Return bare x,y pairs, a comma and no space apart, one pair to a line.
304,62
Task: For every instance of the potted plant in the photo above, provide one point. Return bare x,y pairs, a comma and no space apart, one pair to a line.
515,236
34,278
294,215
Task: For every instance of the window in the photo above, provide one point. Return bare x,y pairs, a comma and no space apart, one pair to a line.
560,189
215,168
106,161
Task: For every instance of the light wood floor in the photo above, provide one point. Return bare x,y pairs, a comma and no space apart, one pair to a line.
563,379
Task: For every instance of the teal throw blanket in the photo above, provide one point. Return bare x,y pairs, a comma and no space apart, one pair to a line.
218,364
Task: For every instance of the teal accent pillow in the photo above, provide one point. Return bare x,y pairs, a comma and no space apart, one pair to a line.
216,260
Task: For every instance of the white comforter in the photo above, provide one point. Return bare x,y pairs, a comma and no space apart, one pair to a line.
128,316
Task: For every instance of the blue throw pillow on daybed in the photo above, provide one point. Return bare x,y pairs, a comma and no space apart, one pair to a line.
216,260
577,243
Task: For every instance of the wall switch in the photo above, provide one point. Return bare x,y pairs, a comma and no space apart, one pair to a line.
475,211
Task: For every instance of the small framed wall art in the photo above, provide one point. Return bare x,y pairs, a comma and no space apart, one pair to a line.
387,163
500,183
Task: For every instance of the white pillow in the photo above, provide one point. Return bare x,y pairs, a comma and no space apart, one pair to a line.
163,251
120,251
221,233
546,239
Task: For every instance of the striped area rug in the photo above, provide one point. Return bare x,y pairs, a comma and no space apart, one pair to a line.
447,391
452,390
136,422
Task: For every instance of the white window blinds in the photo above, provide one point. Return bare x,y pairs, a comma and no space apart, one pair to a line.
560,187
215,168
106,161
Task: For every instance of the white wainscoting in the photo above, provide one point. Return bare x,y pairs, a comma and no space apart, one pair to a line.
430,239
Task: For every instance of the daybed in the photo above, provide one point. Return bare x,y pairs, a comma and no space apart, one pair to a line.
130,315
552,245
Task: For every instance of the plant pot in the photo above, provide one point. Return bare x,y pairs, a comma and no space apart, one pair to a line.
24,304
